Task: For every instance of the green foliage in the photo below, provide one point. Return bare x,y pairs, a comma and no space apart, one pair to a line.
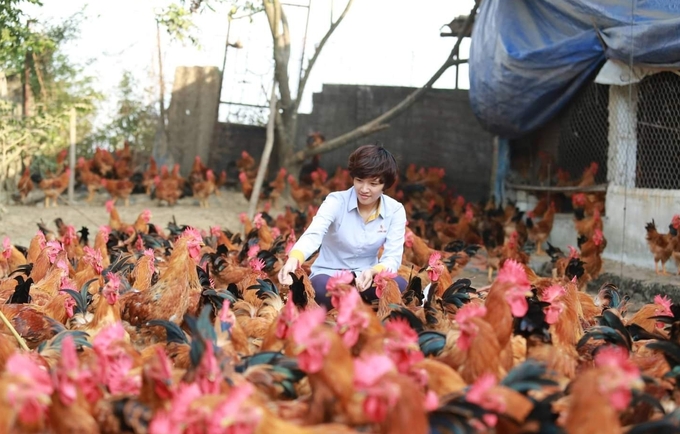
13,24
57,85
177,17
177,21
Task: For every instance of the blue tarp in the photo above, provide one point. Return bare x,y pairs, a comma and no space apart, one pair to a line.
528,58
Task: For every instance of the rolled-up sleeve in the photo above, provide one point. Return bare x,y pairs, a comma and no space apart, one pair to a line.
394,242
310,241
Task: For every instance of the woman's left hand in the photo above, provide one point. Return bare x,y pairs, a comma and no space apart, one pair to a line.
364,280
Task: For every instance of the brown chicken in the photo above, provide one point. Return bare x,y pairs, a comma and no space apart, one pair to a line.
203,189
198,172
246,164
25,184
539,232
599,394
167,190
54,187
303,196
660,245
675,225
149,175
588,203
505,299
169,298
278,185
92,181
102,162
119,189
121,166
591,251
586,180
246,185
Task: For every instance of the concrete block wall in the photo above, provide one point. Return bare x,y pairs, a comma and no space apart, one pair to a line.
440,131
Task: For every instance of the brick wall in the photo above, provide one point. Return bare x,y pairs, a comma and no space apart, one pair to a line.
440,131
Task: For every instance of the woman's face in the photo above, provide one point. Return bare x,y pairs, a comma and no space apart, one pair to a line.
368,190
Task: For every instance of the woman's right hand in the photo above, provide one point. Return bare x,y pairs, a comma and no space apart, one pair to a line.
290,266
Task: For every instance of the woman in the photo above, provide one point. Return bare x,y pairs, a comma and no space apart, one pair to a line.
352,225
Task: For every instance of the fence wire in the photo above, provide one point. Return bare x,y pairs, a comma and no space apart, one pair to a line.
658,132
632,132
583,133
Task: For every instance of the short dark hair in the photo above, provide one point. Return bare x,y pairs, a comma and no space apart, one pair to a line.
373,161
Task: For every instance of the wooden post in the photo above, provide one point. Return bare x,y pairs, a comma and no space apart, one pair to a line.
494,171
72,158
264,161
161,152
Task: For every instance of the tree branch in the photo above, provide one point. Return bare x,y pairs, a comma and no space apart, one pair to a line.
269,11
303,81
379,123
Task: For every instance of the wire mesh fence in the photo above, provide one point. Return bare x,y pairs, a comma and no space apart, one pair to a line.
631,132
583,133
658,132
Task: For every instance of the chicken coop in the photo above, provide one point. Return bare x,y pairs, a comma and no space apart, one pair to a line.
570,86
632,133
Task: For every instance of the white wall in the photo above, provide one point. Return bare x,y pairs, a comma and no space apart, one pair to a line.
641,206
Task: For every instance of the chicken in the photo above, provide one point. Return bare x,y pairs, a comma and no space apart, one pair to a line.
246,185
169,298
167,190
319,179
416,250
92,181
203,189
118,189
303,196
539,232
660,245
25,184
600,393
121,166
246,164
587,178
198,172
278,185
673,230
480,351
102,162
506,298
149,175
587,225
591,251
314,140
589,203
54,187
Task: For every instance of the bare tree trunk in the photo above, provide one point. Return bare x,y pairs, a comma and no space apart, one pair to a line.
286,117
264,160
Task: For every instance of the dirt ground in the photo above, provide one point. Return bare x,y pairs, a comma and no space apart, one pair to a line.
19,222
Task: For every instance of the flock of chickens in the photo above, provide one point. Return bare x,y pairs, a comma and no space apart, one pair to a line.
113,171
144,329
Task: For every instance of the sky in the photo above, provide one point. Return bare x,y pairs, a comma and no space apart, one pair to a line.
380,42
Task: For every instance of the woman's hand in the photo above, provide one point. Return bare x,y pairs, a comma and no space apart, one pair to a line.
290,266
364,280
